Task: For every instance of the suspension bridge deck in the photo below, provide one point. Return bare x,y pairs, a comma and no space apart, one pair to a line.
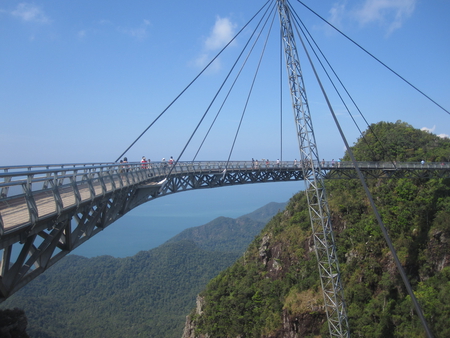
49,192
47,211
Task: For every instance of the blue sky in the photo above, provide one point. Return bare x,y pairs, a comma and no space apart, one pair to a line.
80,80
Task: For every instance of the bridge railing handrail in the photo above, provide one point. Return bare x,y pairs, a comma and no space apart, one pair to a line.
69,185
61,172
32,174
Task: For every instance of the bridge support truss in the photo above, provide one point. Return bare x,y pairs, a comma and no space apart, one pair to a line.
322,230
63,207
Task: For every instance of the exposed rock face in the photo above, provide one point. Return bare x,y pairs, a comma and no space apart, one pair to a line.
307,322
302,325
438,249
189,327
294,326
13,324
263,249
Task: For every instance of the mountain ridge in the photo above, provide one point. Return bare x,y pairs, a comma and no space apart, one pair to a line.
274,290
147,294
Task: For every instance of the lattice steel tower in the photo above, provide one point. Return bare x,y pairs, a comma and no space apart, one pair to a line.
319,213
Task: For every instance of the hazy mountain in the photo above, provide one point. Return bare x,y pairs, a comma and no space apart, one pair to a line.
146,295
230,234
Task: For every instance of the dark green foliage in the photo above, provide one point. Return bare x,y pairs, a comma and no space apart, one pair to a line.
417,216
144,295
220,234
229,234
248,298
147,295
13,323
387,141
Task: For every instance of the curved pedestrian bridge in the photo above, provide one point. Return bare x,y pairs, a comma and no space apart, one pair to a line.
46,211
30,194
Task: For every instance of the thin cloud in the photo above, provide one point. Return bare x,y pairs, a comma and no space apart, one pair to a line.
389,13
139,33
430,130
221,34
30,13
81,34
337,14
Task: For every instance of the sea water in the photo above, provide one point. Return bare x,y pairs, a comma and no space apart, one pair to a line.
156,221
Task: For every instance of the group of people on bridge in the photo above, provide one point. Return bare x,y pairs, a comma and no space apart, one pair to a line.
147,164
324,164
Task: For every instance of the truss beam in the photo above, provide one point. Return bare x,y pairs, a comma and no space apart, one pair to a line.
322,231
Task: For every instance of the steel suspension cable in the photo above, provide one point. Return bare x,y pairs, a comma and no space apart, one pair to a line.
235,80
198,75
372,203
202,118
375,58
297,20
251,89
281,95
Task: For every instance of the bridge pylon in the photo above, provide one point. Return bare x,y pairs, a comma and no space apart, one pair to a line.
319,213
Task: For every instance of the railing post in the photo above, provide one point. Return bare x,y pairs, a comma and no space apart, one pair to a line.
31,204
4,191
2,226
76,191
56,195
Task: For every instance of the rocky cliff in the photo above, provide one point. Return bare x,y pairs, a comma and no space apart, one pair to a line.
273,291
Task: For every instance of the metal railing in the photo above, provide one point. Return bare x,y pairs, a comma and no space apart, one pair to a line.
41,177
62,186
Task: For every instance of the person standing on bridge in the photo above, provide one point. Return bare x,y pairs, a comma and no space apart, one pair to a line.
143,163
125,160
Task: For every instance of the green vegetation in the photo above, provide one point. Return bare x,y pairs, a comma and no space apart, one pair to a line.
386,141
274,289
109,297
147,295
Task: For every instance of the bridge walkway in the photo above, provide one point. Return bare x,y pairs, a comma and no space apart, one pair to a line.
46,211
54,190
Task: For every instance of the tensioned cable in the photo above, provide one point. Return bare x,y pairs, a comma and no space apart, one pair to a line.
298,19
374,57
251,89
236,78
201,120
281,95
372,203
182,92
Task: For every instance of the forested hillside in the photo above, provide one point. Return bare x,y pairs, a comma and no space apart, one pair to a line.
227,239
147,295
274,289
